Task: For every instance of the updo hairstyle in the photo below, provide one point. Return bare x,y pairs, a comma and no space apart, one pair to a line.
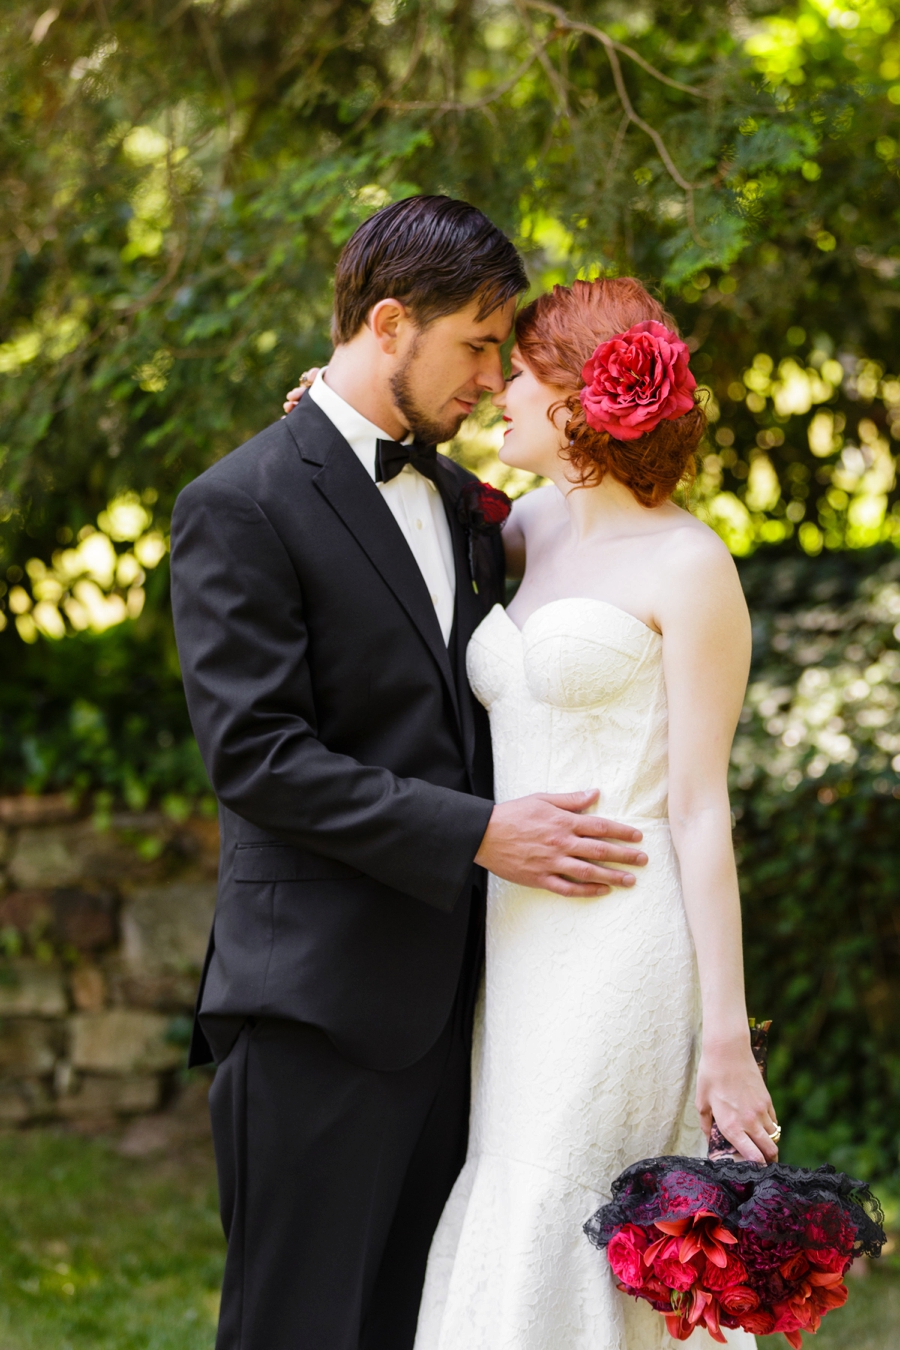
556,334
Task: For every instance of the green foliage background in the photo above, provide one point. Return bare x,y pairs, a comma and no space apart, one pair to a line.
177,181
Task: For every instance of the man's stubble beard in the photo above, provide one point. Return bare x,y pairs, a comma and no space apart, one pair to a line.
423,427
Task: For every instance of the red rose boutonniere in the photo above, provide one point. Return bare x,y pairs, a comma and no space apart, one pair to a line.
482,511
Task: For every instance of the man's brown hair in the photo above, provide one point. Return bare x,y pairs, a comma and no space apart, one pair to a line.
434,254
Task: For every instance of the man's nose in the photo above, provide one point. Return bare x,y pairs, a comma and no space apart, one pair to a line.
490,376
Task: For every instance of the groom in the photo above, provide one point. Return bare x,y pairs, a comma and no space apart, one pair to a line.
323,601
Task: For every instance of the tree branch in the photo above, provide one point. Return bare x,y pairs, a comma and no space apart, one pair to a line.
612,52
573,26
456,106
618,142
553,75
396,85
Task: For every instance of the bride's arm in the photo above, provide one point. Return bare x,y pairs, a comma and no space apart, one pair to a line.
706,657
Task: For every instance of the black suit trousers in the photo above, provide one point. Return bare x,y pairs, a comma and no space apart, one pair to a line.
332,1179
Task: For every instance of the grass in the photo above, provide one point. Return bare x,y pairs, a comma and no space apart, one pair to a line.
104,1252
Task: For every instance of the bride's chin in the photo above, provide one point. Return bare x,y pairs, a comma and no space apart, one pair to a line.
507,455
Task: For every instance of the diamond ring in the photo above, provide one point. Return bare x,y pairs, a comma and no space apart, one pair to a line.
776,1134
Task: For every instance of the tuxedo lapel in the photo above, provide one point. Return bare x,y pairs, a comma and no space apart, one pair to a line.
351,493
469,610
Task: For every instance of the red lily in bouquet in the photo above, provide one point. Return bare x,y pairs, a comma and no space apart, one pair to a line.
718,1242
694,1274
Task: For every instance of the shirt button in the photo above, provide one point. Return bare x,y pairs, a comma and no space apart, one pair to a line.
418,524
434,599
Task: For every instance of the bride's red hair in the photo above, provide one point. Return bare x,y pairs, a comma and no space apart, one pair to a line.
556,334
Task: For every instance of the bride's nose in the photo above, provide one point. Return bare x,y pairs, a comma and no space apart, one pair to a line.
499,399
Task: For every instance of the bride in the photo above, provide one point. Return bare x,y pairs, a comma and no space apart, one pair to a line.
621,664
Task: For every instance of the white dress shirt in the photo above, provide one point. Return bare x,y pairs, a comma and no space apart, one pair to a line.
414,501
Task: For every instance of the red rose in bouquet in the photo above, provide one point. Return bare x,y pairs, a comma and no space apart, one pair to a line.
738,1299
829,1258
734,1272
625,1252
637,380
675,1274
794,1268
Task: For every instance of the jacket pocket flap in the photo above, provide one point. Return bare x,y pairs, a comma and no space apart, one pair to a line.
282,862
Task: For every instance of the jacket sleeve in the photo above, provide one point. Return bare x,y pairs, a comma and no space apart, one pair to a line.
242,643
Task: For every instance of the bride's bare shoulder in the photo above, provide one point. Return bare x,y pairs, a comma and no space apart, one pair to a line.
688,537
695,561
541,506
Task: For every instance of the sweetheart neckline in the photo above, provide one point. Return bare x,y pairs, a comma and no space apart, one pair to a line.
582,599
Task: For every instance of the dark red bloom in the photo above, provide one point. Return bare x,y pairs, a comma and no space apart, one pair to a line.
827,1227
760,1254
482,509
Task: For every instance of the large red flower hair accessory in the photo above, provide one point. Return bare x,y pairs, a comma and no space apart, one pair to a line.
637,380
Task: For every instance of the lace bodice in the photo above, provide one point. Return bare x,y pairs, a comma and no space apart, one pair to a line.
577,700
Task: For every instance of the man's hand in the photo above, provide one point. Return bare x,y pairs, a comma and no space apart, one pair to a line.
545,841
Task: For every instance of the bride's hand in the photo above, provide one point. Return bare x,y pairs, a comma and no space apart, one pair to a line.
294,395
730,1088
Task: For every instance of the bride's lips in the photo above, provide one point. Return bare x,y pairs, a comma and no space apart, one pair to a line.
509,426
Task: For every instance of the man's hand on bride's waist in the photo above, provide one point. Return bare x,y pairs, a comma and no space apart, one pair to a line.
547,842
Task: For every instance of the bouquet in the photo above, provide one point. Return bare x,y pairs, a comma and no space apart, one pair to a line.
719,1242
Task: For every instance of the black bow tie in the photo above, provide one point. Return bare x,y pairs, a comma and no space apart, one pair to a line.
391,457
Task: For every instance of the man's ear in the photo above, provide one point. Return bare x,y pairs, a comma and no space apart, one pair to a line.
387,320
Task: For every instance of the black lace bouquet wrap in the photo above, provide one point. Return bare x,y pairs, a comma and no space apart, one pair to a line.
719,1242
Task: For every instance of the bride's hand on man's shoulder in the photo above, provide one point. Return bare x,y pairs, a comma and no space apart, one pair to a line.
294,396
730,1088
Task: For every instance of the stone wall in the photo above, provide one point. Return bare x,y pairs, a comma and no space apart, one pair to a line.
103,928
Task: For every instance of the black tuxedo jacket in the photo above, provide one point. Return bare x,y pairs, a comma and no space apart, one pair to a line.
351,763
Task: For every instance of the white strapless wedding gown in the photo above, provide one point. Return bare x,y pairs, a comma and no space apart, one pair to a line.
587,1037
